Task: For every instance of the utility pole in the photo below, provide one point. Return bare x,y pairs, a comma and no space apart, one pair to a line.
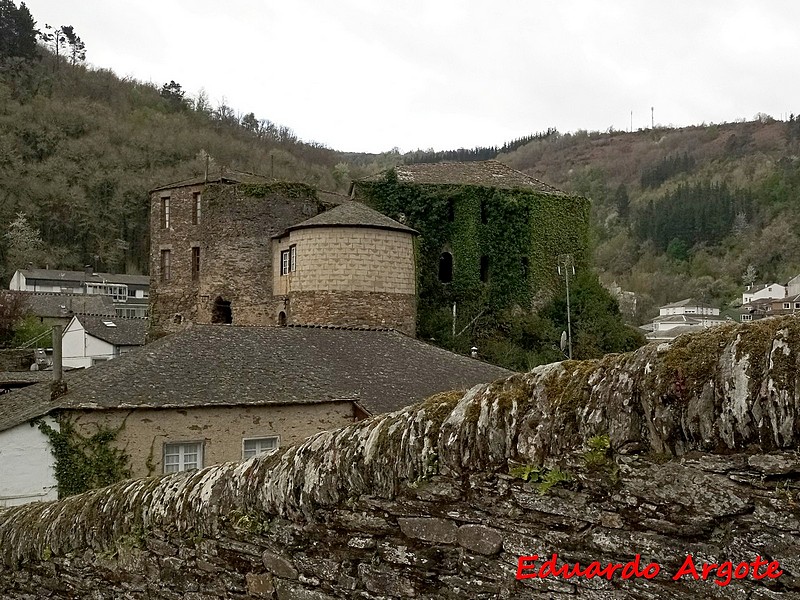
652,117
566,265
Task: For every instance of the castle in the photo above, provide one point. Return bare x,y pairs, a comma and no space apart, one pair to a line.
244,250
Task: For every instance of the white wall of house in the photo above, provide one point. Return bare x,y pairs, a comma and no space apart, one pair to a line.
773,290
79,349
668,310
27,471
17,282
793,287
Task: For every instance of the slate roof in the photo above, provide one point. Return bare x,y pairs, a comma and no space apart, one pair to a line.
125,332
57,275
24,377
52,305
220,365
488,173
671,334
687,302
332,197
352,214
221,176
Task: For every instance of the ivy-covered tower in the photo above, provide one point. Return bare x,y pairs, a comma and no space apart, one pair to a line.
490,236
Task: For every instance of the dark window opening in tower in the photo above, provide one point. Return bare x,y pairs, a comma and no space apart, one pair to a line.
446,267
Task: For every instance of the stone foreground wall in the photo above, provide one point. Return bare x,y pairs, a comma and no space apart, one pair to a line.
420,503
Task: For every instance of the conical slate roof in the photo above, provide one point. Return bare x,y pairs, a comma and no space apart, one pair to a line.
352,214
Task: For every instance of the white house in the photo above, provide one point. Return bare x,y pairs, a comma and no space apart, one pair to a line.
690,306
793,287
89,339
129,293
681,317
26,465
763,292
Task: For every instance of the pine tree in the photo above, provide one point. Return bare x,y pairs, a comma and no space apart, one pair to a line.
17,31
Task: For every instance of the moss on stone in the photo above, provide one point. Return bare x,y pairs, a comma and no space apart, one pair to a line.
683,370
283,188
439,406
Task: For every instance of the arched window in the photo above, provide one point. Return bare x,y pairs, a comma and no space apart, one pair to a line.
282,319
222,312
446,267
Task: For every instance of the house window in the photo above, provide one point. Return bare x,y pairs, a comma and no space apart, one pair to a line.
165,213
747,317
183,457
289,260
195,263
787,305
196,208
166,263
255,446
797,304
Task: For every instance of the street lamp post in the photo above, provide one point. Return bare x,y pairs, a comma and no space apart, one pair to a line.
566,266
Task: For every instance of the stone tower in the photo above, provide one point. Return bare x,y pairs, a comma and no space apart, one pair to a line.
349,266
245,250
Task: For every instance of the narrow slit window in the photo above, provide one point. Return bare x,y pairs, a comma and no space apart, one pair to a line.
165,213
446,267
196,197
166,265
195,263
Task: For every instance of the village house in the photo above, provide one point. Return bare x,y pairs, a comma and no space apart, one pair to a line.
128,293
90,339
212,394
765,291
52,308
684,316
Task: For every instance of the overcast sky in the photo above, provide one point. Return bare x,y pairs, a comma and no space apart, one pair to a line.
369,75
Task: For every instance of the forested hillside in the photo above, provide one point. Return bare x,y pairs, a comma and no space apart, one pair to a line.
686,212
80,147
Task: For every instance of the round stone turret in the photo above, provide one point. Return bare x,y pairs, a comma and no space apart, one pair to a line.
348,266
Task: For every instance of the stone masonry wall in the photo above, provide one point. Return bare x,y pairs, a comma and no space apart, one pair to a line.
441,499
350,276
354,309
234,238
179,294
350,258
220,429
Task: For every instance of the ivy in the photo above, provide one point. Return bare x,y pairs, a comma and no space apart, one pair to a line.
283,188
84,462
519,233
